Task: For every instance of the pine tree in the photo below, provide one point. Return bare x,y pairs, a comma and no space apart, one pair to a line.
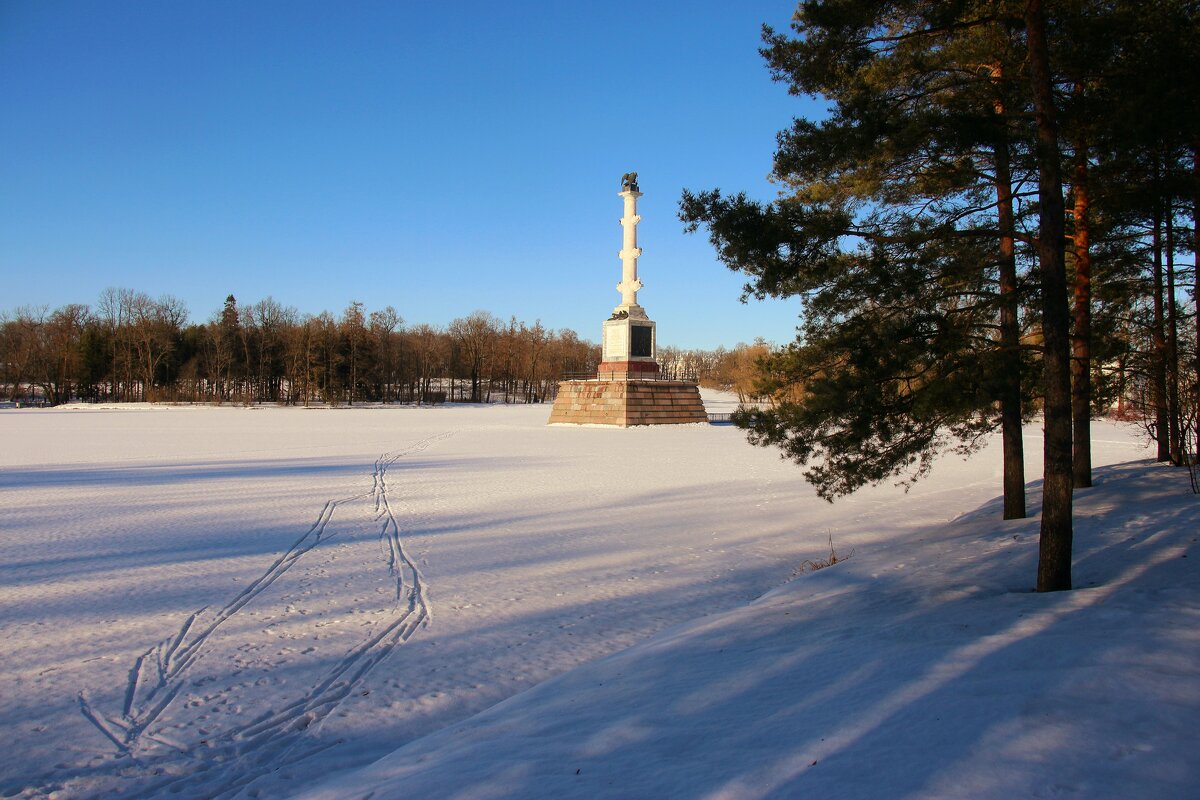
900,234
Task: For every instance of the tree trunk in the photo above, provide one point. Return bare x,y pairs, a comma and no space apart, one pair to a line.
1158,360
1121,386
1174,417
1196,280
1054,559
1081,363
353,370
1010,339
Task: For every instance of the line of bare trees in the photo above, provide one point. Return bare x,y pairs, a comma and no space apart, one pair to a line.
132,347
733,369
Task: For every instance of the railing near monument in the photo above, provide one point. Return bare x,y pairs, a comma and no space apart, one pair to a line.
597,375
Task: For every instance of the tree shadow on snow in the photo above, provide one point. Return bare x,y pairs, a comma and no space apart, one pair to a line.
852,683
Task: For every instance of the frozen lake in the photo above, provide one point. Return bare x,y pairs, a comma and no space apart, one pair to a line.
207,601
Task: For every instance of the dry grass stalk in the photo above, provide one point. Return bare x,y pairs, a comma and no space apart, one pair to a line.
812,566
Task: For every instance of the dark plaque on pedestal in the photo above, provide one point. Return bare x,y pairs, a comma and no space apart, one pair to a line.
639,341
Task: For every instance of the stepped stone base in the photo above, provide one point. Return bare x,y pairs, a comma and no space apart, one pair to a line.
623,403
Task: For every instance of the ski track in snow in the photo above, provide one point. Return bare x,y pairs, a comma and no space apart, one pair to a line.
277,737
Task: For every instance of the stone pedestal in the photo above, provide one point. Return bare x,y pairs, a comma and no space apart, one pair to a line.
623,403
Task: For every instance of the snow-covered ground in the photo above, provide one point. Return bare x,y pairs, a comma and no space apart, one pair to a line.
201,602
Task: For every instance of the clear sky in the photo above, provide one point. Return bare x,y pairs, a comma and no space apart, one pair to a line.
440,157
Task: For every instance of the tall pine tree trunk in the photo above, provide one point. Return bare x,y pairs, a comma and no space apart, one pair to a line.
1081,362
1158,360
1054,557
1010,334
1174,416
1196,280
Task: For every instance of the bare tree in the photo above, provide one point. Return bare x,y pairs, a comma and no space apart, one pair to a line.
354,332
301,358
116,314
384,331
59,352
429,347
475,334
536,339
19,343
154,328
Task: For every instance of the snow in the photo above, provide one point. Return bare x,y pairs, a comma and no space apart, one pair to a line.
465,602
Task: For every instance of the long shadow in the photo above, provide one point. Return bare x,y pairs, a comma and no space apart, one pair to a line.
872,691
155,475
666,603
861,684
164,671
191,544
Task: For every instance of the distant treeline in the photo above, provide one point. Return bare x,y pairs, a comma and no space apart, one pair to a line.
131,347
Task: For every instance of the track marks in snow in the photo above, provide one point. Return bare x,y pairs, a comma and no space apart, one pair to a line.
282,735
158,674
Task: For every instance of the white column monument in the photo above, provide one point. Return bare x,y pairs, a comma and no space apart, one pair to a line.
629,285
629,335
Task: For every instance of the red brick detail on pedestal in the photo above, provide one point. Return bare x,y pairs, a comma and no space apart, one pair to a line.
623,370
623,403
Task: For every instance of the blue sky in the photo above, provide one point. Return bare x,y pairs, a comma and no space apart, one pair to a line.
436,157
